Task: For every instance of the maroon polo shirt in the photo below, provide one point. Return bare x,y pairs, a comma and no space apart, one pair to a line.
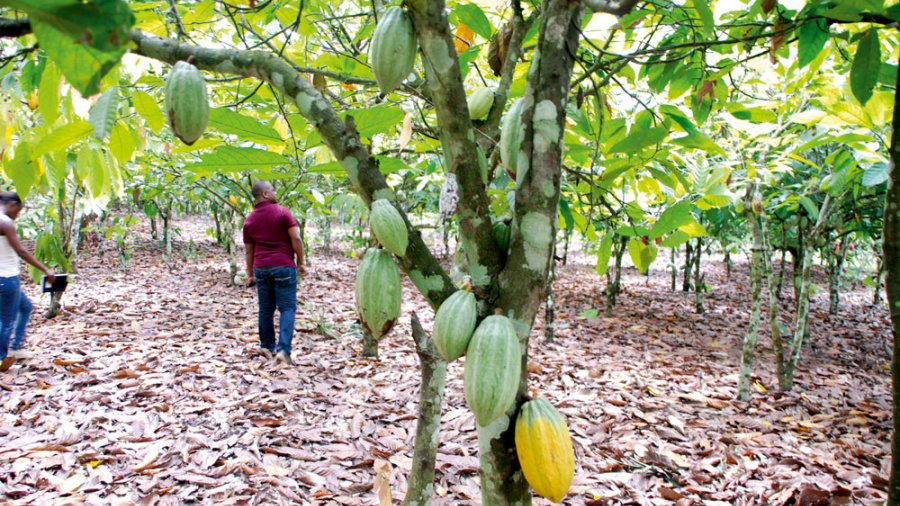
267,230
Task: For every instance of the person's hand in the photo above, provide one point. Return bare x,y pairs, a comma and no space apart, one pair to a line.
51,278
301,270
251,281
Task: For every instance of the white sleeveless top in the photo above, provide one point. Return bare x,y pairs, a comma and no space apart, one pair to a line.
9,259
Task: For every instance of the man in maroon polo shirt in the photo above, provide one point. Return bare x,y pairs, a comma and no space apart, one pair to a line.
272,239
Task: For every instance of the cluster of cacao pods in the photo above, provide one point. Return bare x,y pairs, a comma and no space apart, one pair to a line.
378,289
187,108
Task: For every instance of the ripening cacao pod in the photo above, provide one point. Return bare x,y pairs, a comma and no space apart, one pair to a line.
493,369
511,137
545,449
454,323
480,102
378,292
502,232
389,227
187,108
393,51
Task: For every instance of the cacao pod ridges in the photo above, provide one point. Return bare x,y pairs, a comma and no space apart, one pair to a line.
393,49
544,448
186,103
389,227
454,324
493,369
378,292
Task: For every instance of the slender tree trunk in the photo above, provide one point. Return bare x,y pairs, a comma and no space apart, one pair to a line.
55,305
688,263
876,297
698,279
370,344
778,289
565,258
613,289
428,424
674,271
797,264
756,274
728,264
774,296
802,320
834,285
891,251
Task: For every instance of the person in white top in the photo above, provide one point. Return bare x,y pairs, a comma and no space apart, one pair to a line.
15,308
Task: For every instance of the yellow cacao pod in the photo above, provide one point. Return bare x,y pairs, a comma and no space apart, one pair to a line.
480,102
545,449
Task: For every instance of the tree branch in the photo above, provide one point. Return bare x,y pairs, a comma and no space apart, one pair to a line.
619,9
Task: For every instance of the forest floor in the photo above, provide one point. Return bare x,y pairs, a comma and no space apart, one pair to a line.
149,389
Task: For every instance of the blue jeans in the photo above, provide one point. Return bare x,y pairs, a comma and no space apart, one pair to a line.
15,308
276,287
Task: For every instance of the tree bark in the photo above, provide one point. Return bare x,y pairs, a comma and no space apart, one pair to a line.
834,281
774,296
756,274
428,423
550,310
370,344
688,263
698,279
891,249
613,289
674,271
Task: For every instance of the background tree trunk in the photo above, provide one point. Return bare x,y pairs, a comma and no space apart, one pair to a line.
756,274
428,423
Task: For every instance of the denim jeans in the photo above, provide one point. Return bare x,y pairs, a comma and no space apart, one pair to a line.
15,308
276,287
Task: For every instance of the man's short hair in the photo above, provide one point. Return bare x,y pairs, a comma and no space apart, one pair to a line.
10,198
259,187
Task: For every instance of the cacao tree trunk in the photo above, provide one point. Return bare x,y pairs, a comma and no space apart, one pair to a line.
428,423
876,297
728,264
756,274
891,252
370,344
778,289
688,263
674,271
613,289
698,279
550,310
834,281
774,296
55,305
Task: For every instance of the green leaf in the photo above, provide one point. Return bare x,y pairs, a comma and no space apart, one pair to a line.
229,159
604,253
888,73
676,216
245,127
103,113
376,120
330,168
811,208
63,137
675,240
706,17
590,313
632,231
22,170
566,214
146,106
866,67
104,25
93,170
812,37
56,169
83,66
48,94
876,174
639,139
473,17
755,115
642,254
698,141
121,144
389,164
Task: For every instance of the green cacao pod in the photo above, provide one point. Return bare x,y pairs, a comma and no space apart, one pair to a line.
187,107
454,323
393,51
511,137
502,232
389,227
493,369
480,102
545,449
378,292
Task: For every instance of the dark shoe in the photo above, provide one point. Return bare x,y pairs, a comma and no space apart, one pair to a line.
9,361
284,357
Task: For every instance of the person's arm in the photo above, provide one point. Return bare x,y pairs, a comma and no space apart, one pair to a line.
297,244
9,230
251,278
